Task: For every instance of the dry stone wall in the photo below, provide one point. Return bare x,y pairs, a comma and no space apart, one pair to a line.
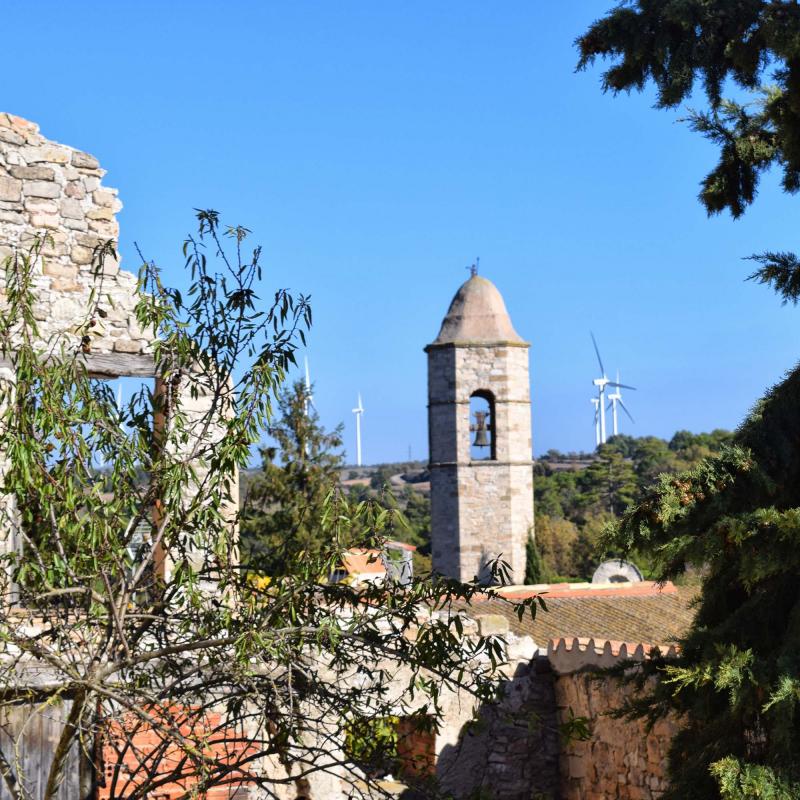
54,191
622,759
513,751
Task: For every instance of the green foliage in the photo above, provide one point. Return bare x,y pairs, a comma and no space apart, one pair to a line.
284,505
413,507
736,517
161,629
754,46
372,743
534,569
555,540
673,43
574,505
741,781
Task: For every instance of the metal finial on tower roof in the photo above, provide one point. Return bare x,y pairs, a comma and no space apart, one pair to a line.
473,268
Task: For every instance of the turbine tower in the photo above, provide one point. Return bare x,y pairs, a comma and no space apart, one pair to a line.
601,384
616,398
596,403
358,411
309,399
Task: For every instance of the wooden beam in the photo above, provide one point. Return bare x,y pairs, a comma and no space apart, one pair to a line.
112,365
120,365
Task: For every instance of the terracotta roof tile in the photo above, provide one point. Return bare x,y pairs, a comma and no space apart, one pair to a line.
633,613
360,560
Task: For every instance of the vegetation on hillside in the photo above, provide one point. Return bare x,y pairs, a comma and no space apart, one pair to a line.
573,506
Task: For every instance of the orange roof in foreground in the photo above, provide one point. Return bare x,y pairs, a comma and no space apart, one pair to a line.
360,560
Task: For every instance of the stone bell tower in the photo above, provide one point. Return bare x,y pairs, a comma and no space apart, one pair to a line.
479,430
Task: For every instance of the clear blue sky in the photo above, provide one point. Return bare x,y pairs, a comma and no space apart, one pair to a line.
376,148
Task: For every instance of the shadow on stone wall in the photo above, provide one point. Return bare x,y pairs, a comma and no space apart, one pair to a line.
512,750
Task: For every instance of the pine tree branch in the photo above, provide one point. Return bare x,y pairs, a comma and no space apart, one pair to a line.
781,272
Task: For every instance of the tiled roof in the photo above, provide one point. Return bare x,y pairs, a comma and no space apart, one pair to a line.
643,612
361,561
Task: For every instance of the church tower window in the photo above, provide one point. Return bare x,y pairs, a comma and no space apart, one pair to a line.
482,426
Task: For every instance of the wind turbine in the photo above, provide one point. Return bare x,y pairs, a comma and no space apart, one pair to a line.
601,384
358,411
595,402
309,399
614,398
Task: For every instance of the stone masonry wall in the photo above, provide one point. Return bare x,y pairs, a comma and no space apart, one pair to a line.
49,189
479,509
512,752
621,759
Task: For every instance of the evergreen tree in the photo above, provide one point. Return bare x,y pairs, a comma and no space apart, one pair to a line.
555,539
737,517
734,516
284,504
753,44
534,569
609,482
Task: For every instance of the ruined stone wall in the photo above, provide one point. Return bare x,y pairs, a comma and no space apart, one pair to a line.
479,509
49,189
621,759
512,751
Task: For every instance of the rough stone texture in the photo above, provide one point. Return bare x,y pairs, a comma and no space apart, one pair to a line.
479,509
513,751
621,759
48,188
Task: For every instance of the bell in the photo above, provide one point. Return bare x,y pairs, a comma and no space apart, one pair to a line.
481,428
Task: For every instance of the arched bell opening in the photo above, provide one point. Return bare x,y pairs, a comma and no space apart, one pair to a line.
482,431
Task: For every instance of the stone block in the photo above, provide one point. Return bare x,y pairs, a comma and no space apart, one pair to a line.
492,625
33,173
128,346
75,189
106,198
84,160
577,767
41,189
110,265
40,205
11,137
59,270
19,124
99,213
106,230
49,221
65,285
75,224
71,208
13,217
89,240
66,309
10,189
81,255
51,153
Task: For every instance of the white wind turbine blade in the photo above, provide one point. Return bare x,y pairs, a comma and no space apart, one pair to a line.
625,409
597,352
